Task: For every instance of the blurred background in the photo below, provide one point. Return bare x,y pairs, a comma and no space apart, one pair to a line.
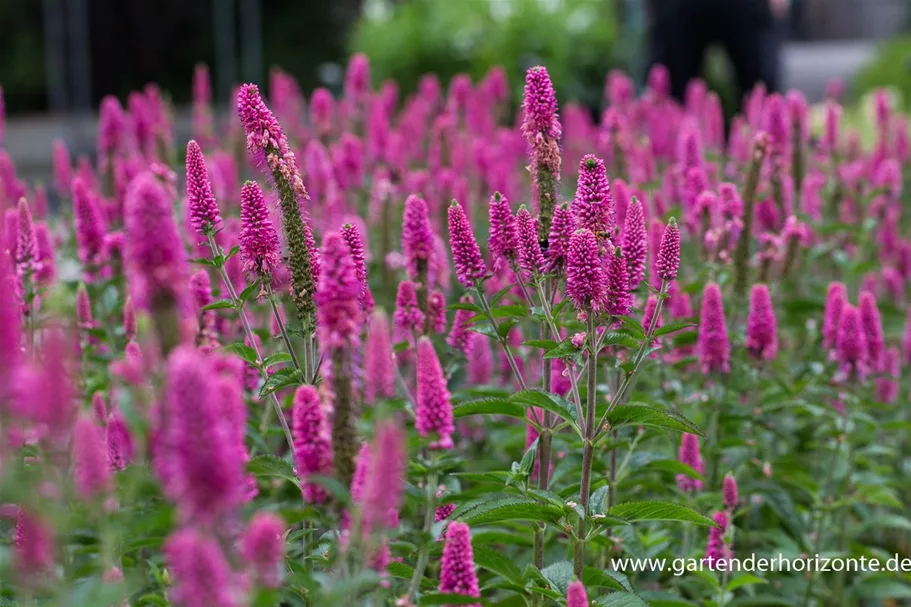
59,57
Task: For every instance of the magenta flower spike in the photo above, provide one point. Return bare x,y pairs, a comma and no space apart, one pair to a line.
714,347
504,233
586,283
470,267
112,128
887,387
689,455
715,549
339,315
479,369
531,259
635,243
384,479
357,78
668,261
203,209
263,548
762,328
91,474
851,344
352,236
46,267
575,595
433,408
26,252
312,442
63,168
618,285
593,206
201,574
561,231
408,315
208,472
379,369
322,111
417,236
33,550
155,255
836,299
119,442
729,492
99,408
873,329
129,320
459,334
541,126
90,227
259,247
457,569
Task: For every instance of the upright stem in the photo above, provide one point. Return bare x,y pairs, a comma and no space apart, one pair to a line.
639,357
485,305
270,295
424,555
588,446
248,330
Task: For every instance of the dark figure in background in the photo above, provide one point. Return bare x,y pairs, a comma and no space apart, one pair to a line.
682,30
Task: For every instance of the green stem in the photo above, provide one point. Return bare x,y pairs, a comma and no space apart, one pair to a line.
485,305
270,295
638,358
588,446
424,555
239,307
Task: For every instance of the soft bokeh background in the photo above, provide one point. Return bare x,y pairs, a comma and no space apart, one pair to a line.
59,57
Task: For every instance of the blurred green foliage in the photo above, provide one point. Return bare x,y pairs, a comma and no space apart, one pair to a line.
890,68
576,39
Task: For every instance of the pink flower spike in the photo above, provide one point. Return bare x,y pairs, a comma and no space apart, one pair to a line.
873,329
504,233
259,246
312,442
714,347
689,455
352,236
635,243
202,575
586,284
575,595
729,492
466,254
836,298
668,260
47,267
90,470
762,328
433,406
561,231
89,225
531,259
408,316
379,370
263,548
385,479
593,206
417,236
119,442
457,569
618,285
203,210
339,313
63,168
851,345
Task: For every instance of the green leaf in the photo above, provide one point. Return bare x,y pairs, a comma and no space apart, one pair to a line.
489,406
439,598
250,290
547,401
559,575
620,599
243,352
634,512
507,311
505,508
545,344
673,327
203,261
672,465
633,326
881,588
564,349
464,306
234,251
744,579
644,415
277,358
884,520
619,338
498,563
528,459
598,578
221,304
596,501
270,466
281,379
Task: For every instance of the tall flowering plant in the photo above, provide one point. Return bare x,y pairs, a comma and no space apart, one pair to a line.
392,348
